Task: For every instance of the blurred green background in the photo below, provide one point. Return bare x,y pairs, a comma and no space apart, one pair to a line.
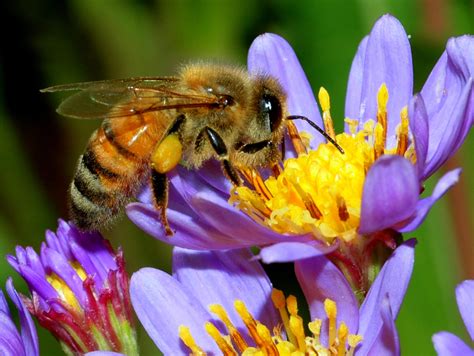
51,42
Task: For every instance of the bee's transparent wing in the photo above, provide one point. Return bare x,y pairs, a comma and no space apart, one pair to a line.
126,97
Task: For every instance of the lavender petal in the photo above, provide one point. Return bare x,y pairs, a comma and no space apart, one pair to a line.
393,281
390,194
420,130
221,277
271,54
449,99
353,107
387,342
294,251
320,279
465,299
28,329
10,341
387,60
163,304
424,205
447,344
189,231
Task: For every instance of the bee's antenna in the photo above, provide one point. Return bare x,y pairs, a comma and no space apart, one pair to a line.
320,130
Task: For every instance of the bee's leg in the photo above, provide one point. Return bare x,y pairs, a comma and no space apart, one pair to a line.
159,186
165,158
220,148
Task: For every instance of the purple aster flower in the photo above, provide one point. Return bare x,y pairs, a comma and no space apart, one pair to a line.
352,205
447,344
79,291
222,302
12,342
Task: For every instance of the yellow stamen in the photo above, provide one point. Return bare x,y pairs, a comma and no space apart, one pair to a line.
249,322
221,342
315,328
296,326
342,334
402,142
65,293
298,143
379,140
235,335
352,124
382,100
269,347
325,103
279,302
188,340
292,305
353,341
331,312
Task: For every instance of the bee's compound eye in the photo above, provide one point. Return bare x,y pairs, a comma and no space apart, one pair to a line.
270,108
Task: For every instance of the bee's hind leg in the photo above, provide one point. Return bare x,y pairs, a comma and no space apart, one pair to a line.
159,186
220,148
165,157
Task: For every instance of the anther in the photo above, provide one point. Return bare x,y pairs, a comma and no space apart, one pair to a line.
269,347
235,335
353,341
249,322
296,326
342,208
188,340
342,336
402,143
221,342
382,100
325,103
315,328
279,302
331,312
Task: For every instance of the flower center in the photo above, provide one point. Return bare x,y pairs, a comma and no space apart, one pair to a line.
340,342
64,291
320,191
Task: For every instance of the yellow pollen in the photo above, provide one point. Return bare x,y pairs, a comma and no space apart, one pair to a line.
342,334
267,344
64,292
235,335
221,342
331,312
382,100
292,305
249,322
325,103
402,139
296,326
269,347
279,302
188,340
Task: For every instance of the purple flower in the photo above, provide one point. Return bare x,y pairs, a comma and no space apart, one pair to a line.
217,293
79,290
393,142
447,344
12,342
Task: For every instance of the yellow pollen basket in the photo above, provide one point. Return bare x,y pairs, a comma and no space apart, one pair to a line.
295,342
320,192
65,293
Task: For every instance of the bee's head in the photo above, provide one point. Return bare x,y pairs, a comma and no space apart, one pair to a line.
259,144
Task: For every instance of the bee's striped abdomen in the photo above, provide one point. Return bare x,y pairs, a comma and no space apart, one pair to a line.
110,171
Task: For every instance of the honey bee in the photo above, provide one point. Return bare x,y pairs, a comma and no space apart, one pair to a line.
152,124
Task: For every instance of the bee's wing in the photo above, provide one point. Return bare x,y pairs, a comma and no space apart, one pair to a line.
126,97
